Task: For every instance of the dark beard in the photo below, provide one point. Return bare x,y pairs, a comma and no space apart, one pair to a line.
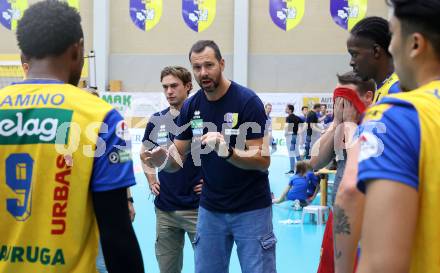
215,84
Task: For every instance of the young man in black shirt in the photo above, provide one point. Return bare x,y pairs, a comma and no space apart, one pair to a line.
291,133
313,130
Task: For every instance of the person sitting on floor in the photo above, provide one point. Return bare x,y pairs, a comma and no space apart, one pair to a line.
297,188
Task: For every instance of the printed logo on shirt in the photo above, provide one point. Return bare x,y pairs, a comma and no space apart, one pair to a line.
122,130
32,254
197,124
32,126
162,136
371,146
231,119
119,156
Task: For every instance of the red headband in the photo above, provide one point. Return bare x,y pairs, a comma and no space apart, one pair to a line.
352,96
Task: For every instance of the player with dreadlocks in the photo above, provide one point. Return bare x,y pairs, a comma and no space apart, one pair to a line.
368,46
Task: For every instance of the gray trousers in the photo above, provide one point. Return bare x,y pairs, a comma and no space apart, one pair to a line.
171,227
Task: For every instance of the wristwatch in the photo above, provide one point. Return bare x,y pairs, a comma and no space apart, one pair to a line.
130,199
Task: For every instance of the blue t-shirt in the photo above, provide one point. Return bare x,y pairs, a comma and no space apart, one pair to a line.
298,188
176,189
390,144
312,183
114,168
227,188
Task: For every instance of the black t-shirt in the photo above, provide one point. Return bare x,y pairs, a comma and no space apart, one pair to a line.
293,122
227,188
311,118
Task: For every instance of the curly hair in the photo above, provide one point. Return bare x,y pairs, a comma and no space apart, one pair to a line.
375,29
48,28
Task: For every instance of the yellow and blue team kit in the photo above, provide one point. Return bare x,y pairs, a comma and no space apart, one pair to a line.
58,144
399,143
388,87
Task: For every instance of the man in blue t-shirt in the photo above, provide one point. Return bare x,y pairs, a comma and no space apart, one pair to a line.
304,113
225,131
177,194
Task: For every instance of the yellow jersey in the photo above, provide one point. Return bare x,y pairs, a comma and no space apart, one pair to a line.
389,86
58,144
408,151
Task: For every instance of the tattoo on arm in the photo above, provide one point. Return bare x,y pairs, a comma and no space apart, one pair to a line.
341,226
